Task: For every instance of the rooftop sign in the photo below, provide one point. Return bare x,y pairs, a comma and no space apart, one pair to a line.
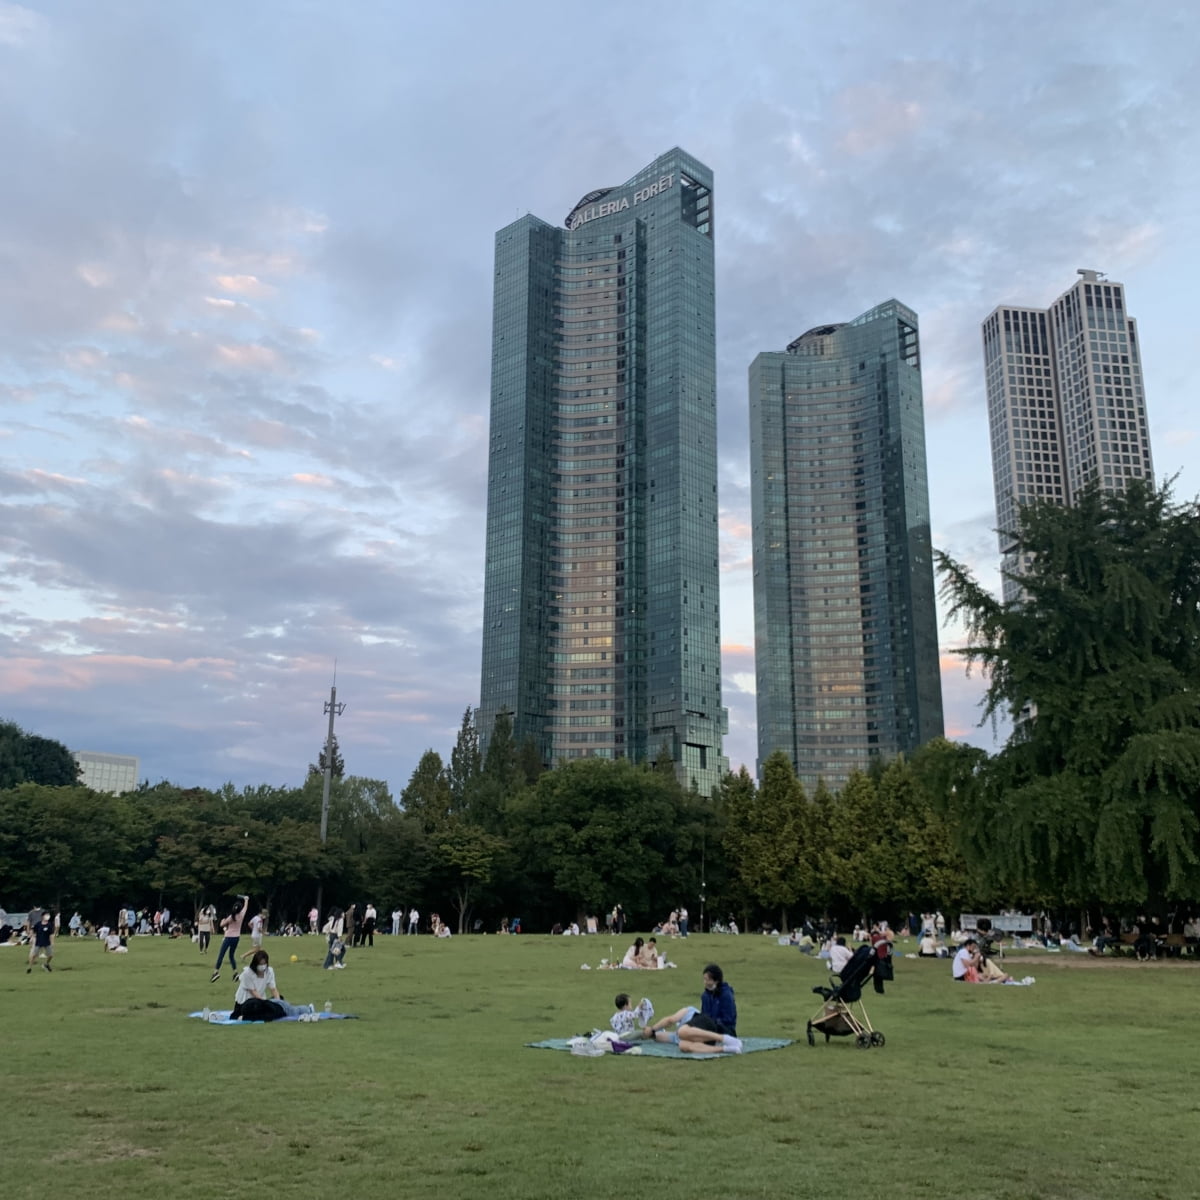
591,206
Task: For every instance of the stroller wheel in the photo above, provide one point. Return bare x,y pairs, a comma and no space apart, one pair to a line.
877,1039
863,1041
812,1041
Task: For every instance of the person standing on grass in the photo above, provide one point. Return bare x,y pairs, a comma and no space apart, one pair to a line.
41,943
397,918
257,924
413,918
232,927
336,947
368,926
206,920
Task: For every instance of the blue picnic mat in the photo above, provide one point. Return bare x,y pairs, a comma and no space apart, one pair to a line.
669,1049
222,1018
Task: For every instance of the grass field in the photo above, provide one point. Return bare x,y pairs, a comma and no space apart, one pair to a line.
1084,1085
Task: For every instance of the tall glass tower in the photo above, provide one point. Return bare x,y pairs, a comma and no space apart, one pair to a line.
845,627
1066,404
601,625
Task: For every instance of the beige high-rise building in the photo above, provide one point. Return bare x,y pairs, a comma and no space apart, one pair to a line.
1065,402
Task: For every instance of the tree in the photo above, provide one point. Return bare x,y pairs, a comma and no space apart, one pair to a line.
529,761
663,763
49,762
763,834
469,854
595,832
28,758
465,761
12,754
339,766
1096,794
429,795
501,779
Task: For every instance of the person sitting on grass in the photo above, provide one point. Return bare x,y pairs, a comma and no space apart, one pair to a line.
115,944
965,966
258,997
990,973
624,1020
649,955
839,955
633,956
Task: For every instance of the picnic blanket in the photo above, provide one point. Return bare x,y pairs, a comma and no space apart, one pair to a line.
670,1050
221,1017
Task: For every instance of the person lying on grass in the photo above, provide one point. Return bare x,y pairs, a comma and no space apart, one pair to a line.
709,1029
258,997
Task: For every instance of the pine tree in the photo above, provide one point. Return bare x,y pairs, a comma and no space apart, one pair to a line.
465,761
339,766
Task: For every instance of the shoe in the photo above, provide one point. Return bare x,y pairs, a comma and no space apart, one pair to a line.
29,969
215,976
732,1045
45,966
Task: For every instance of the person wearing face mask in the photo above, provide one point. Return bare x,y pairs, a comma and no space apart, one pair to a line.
258,997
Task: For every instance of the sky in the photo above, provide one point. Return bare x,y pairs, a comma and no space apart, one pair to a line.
245,311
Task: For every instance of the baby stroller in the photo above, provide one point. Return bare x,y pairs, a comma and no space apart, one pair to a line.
836,1018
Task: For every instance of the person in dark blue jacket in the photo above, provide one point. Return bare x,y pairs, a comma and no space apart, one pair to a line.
717,1001
710,1029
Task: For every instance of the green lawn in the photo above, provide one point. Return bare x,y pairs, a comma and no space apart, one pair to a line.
1081,1086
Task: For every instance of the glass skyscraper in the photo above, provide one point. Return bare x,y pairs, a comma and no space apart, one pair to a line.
1065,403
846,648
601,628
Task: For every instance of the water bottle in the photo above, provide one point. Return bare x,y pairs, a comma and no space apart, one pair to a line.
329,1006
207,1014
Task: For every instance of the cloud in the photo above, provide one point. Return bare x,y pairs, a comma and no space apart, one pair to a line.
244,285
18,24
222,485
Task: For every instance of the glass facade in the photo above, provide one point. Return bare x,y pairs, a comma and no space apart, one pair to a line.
846,649
601,604
1065,403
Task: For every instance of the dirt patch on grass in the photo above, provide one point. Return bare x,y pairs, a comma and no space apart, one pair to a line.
1092,961
104,1150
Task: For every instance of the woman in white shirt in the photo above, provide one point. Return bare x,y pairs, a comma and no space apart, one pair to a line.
258,997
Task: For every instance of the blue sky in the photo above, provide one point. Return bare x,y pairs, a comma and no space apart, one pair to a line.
245,304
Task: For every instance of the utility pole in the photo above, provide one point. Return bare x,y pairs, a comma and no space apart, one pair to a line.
334,709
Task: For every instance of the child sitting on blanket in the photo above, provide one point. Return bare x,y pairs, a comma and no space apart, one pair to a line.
626,1019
